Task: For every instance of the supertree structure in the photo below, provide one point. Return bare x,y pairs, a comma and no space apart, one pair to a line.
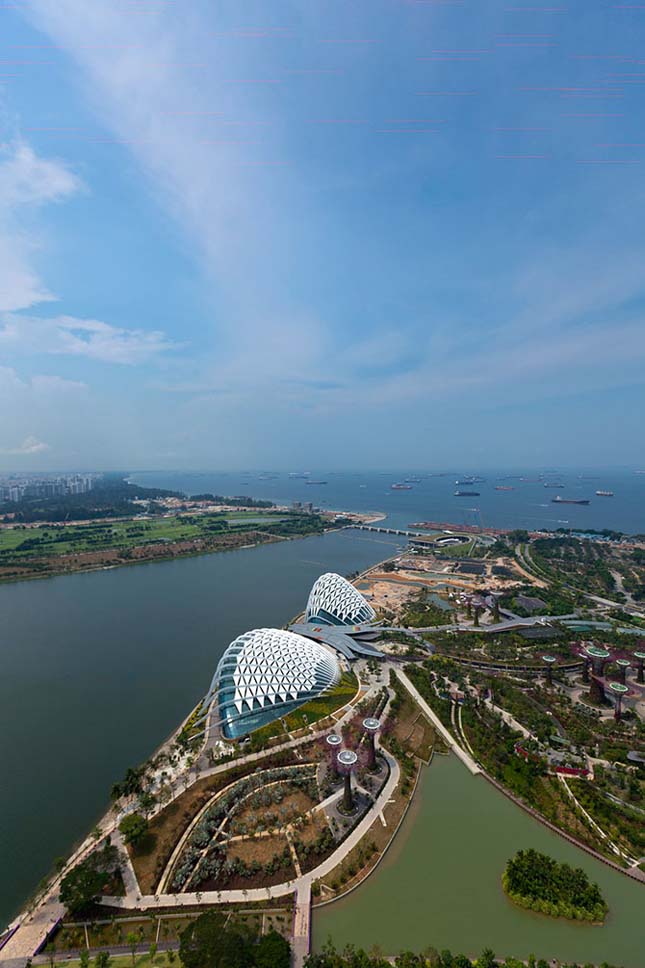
640,665
347,760
549,660
618,690
371,726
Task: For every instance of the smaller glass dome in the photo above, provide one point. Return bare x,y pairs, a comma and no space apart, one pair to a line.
334,601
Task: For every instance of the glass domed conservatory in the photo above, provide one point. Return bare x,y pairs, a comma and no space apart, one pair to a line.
333,601
265,674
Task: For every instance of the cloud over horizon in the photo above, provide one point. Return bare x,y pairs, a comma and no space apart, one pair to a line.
287,224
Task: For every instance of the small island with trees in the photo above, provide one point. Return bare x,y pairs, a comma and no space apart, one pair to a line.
536,881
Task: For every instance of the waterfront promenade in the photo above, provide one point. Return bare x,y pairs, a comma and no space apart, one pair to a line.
32,928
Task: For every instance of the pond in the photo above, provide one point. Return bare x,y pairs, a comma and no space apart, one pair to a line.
440,884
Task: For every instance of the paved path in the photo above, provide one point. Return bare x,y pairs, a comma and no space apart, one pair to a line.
34,927
301,925
465,757
300,885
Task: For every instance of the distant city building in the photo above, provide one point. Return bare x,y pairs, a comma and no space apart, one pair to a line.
17,489
334,601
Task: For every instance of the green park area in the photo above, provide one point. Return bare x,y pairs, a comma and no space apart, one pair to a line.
29,542
311,712
41,550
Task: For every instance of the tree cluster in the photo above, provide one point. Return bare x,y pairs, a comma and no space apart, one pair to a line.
213,941
82,885
351,957
538,882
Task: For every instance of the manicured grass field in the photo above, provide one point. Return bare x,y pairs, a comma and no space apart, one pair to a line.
46,540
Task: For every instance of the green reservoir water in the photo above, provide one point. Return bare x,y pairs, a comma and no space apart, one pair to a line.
440,884
97,669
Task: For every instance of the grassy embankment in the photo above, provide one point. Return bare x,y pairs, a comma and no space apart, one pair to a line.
311,712
44,550
44,540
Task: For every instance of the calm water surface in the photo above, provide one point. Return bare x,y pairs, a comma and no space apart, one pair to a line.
528,505
98,669
440,884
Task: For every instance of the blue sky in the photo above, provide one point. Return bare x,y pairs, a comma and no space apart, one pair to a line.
368,233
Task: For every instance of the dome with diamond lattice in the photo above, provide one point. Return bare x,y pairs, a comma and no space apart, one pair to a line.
265,674
334,601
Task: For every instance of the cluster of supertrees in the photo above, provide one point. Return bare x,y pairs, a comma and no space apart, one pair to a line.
596,659
476,604
343,761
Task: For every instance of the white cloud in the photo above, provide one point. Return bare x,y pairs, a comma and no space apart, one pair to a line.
88,338
26,183
13,388
30,445
220,188
26,179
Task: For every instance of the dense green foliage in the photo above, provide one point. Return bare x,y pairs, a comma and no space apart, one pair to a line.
297,524
351,957
420,612
86,881
134,827
235,502
558,601
538,882
214,941
584,564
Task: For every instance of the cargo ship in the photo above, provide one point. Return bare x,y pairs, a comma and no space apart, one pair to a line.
569,500
504,487
315,482
553,484
401,487
605,493
466,493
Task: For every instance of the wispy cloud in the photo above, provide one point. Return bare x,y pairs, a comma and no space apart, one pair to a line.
88,338
27,182
30,445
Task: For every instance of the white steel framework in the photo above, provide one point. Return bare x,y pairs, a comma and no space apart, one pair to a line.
334,601
267,672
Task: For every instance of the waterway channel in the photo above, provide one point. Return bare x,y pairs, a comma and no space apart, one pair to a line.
440,884
97,669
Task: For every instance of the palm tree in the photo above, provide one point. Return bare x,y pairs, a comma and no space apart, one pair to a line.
132,941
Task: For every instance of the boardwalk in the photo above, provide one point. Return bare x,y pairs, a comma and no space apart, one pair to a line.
465,757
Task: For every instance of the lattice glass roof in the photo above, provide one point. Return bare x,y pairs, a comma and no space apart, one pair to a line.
271,667
334,601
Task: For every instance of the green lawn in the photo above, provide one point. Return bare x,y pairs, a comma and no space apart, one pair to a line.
309,713
47,540
161,960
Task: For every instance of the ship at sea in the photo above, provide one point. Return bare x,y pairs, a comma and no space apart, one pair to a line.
504,487
315,482
466,493
401,487
553,484
569,500
605,493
